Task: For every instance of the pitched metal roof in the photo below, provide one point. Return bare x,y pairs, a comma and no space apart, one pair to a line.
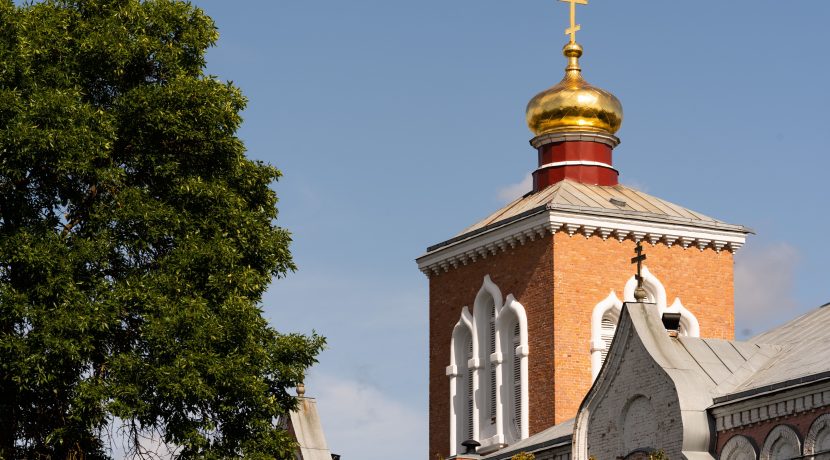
805,348
616,200
727,364
552,437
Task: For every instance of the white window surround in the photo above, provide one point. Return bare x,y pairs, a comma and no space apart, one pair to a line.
462,334
492,436
781,437
818,438
488,299
511,314
738,448
611,306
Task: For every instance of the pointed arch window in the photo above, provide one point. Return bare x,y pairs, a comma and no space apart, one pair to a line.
606,315
488,373
461,372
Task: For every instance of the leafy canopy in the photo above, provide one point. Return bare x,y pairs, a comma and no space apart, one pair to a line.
136,241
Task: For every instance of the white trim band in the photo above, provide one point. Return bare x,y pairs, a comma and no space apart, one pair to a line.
502,238
559,164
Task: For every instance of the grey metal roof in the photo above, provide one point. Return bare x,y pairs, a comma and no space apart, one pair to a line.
551,437
804,354
727,364
575,196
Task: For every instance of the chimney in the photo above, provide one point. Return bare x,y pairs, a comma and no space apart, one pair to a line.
671,321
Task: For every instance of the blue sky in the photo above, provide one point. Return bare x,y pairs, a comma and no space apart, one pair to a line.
397,124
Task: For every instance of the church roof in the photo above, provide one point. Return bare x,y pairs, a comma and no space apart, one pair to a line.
612,200
804,347
588,209
304,423
557,435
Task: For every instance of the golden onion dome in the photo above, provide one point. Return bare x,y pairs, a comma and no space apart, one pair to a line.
573,104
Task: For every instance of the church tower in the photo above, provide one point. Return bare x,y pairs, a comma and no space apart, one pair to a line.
524,303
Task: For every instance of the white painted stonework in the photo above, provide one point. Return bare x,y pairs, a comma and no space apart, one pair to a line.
738,448
549,221
493,431
634,404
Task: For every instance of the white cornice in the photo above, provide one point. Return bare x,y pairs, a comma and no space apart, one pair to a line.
765,407
500,238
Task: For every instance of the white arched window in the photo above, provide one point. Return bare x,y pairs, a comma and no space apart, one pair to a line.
606,315
488,373
738,448
604,320
485,311
461,372
782,443
512,327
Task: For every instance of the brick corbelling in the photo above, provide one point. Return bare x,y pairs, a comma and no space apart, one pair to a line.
525,271
587,269
758,432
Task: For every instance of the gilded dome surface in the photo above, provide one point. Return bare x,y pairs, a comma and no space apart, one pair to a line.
573,104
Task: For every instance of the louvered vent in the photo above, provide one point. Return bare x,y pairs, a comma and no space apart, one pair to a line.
517,383
470,393
609,326
492,349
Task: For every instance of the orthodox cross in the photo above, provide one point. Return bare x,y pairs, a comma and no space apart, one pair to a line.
574,28
640,292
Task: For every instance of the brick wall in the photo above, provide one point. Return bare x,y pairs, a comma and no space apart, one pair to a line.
758,432
559,279
587,269
527,273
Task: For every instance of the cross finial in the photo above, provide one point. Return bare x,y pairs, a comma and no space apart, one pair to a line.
639,293
574,28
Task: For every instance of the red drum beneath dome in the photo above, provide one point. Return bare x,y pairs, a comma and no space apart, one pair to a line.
581,161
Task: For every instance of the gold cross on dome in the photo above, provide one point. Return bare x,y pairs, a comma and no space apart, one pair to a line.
574,28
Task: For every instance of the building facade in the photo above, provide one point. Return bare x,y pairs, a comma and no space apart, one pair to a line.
525,303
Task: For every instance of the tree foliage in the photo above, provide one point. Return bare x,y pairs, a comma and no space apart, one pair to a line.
136,241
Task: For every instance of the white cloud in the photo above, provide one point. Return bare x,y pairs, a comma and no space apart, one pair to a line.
764,279
511,192
361,421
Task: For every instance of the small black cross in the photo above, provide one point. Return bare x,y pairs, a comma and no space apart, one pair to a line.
639,293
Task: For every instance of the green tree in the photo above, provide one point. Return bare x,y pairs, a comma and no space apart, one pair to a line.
523,456
136,241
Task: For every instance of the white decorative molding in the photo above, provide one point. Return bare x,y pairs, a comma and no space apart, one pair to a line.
759,409
782,442
610,305
818,438
462,332
513,313
560,164
488,296
472,330
738,447
689,325
518,232
551,138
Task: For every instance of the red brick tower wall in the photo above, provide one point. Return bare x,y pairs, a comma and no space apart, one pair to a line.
527,273
559,279
585,271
